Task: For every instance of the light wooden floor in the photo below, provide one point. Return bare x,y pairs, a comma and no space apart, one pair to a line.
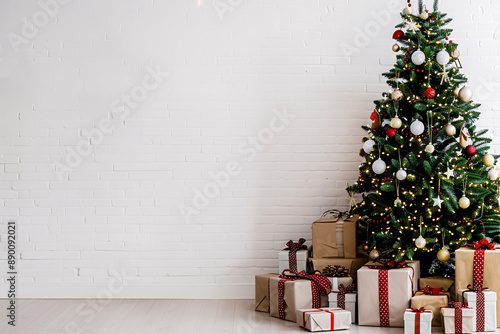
129,316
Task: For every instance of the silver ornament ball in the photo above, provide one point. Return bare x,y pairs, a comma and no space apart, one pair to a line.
417,128
368,146
465,94
424,15
401,175
379,166
443,57
397,95
418,57
492,174
420,242
430,148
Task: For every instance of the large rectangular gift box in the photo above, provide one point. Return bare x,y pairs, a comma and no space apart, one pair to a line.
324,319
484,307
301,260
464,269
384,294
418,322
335,237
352,264
447,284
262,292
466,320
432,303
297,294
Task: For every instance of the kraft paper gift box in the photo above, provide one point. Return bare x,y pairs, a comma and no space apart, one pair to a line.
418,322
464,268
385,306
485,320
447,284
350,303
297,295
262,292
352,264
432,303
301,260
335,237
448,314
324,319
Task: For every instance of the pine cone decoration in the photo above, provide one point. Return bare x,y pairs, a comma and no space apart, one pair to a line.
335,271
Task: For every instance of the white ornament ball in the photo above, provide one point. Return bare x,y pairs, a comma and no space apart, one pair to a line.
424,15
443,57
396,123
397,95
368,146
464,202
418,57
465,94
401,175
488,160
379,166
493,174
397,202
420,242
430,148
417,128
406,11
451,130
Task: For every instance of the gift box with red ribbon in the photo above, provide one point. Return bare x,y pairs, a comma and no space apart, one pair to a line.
262,292
431,299
418,321
287,295
324,319
293,257
478,266
344,298
457,319
484,305
384,292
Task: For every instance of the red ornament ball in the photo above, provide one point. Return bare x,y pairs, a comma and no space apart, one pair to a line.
391,132
430,93
398,34
470,151
366,247
373,116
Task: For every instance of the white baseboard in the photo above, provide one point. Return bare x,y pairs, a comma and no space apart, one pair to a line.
208,291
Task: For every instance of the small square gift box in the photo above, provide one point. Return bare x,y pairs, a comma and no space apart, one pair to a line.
384,292
457,319
334,237
293,257
418,321
431,299
287,295
262,292
344,298
483,302
324,319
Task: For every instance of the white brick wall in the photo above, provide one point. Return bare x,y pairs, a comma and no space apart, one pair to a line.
81,83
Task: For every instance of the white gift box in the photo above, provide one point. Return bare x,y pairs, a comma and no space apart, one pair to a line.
301,260
324,319
449,320
425,322
350,303
490,307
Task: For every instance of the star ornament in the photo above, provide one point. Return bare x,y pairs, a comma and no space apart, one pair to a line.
449,173
413,26
437,201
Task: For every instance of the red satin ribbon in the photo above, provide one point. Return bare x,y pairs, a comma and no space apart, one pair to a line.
484,244
428,290
480,306
332,317
417,318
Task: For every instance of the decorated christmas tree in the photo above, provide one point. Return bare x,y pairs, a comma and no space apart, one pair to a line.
428,181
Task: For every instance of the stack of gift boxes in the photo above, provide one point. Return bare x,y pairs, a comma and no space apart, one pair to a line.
328,287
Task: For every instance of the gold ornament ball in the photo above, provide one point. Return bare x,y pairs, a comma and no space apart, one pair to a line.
464,202
465,94
397,95
396,123
450,129
424,15
430,148
456,91
374,254
396,47
443,255
488,160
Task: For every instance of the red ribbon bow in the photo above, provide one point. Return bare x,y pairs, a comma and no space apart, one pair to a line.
419,310
484,244
293,247
392,264
428,290
320,285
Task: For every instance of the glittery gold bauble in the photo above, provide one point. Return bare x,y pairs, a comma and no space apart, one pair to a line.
397,95
374,254
464,202
443,255
396,47
488,160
